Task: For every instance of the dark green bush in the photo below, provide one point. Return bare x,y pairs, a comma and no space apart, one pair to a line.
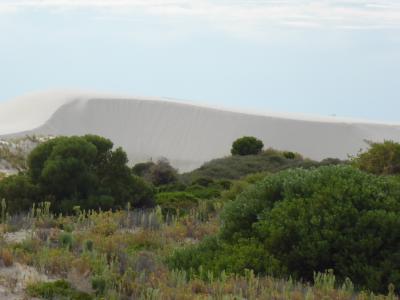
99,284
289,155
142,169
224,183
329,218
66,240
56,290
300,221
88,245
19,192
172,202
238,186
203,181
76,171
332,162
247,145
202,192
172,187
214,255
161,173
193,258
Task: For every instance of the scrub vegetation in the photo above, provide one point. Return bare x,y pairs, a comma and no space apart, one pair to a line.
271,225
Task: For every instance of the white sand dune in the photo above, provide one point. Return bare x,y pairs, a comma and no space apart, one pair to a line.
188,135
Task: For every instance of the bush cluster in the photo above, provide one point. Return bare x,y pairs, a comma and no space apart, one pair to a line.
301,221
159,173
76,171
59,289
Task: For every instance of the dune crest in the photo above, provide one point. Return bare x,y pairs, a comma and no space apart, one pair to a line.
188,135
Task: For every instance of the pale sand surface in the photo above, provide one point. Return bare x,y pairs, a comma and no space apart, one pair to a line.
187,134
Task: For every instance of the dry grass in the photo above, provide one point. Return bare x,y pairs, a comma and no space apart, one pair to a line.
106,255
6,257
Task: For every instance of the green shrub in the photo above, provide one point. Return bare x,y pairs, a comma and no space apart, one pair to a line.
193,258
224,183
66,240
298,222
239,186
159,173
247,145
332,162
203,181
216,256
289,155
172,202
76,171
329,218
99,285
236,166
88,245
172,187
59,289
203,192
19,192
381,158
142,169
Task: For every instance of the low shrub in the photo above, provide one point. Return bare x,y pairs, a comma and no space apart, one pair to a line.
380,158
99,285
6,257
54,261
59,289
104,223
237,166
215,256
19,193
159,173
289,155
204,192
238,186
172,202
88,245
66,240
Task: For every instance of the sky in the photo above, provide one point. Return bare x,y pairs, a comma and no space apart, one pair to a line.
320,57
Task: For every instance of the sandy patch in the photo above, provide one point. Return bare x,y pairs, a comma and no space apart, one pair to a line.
14,280
17,237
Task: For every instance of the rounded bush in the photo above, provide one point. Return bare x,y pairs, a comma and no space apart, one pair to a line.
289,155
172,202
334,217
247,145
75,171
66,240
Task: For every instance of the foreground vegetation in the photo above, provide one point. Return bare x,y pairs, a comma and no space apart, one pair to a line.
124,255
271,225
301,221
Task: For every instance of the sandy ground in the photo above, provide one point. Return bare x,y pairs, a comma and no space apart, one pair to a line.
188,135
17,237
14,280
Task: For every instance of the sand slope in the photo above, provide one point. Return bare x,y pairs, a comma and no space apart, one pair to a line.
186,134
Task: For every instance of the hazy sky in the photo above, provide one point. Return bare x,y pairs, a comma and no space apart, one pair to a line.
316,56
